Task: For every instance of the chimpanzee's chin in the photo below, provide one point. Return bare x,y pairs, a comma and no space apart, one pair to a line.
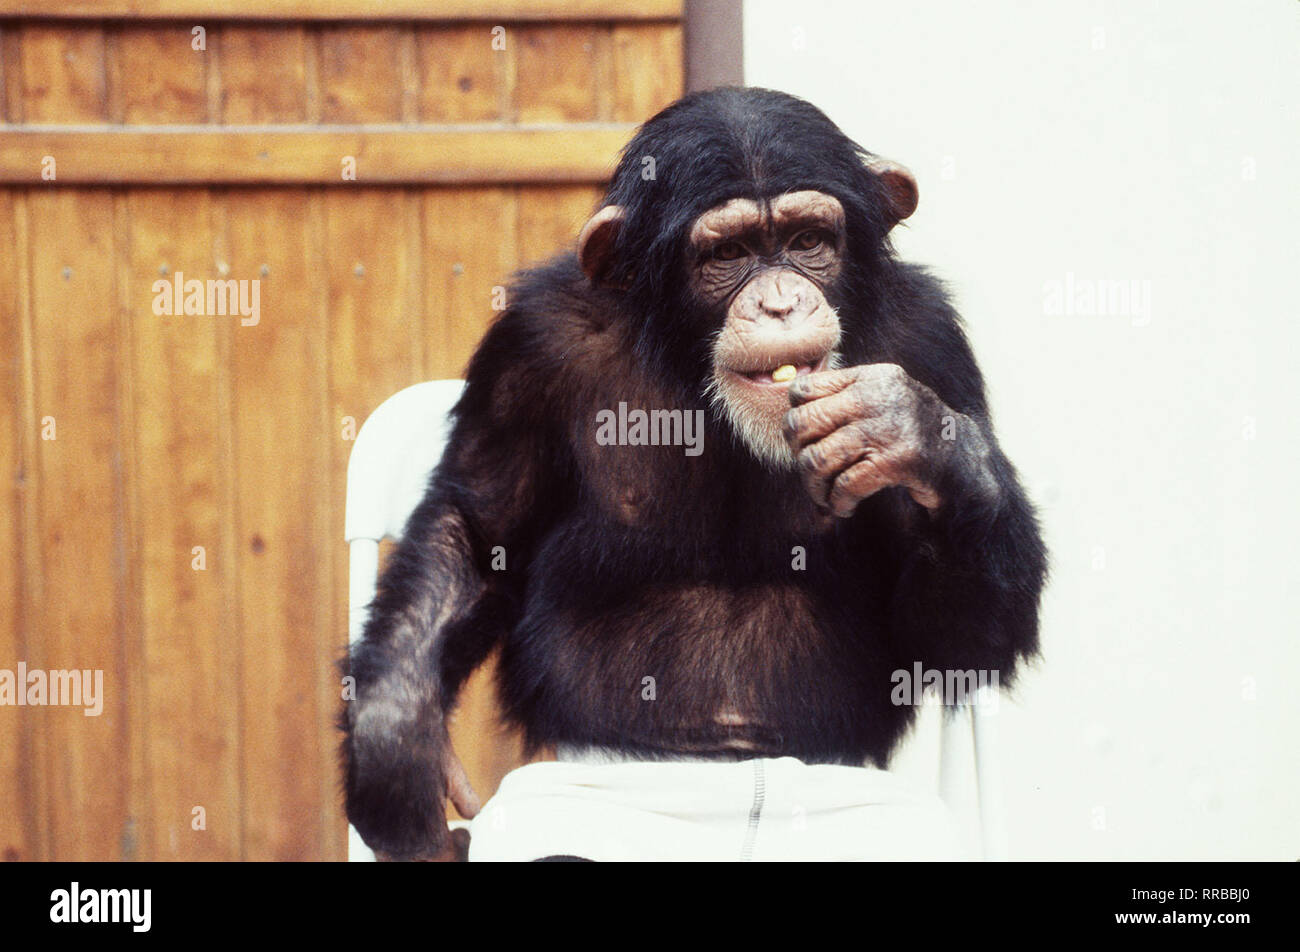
756,416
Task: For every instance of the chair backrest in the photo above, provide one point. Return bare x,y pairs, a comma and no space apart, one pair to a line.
388,473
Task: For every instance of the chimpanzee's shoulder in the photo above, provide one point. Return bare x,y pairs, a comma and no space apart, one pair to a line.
916,287
922,331
556,327
554,319
560,303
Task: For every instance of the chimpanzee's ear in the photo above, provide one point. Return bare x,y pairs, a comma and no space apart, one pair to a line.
596,243
900,186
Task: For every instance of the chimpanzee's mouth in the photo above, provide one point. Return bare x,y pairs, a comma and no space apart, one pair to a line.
782,374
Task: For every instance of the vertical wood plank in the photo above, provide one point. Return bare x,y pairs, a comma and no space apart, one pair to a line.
176,507
282,521
469,249
74,373
162,78
190,643
263,74
63,74
408,69
331,644
648,66
360,73
17,841
34,732
366,270
333,641
558,71
138,838
550,218
460,74
10,71
71,518
507,71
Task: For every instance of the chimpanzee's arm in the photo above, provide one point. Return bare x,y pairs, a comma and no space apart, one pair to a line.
967,548
972,569
398,760
441,606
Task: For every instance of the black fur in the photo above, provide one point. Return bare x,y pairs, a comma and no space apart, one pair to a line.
632,562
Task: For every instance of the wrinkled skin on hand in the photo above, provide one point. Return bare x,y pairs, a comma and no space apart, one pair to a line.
857,430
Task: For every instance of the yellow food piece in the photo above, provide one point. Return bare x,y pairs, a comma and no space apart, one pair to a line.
784,372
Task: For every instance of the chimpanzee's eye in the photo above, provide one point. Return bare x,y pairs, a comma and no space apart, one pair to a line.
730,251
807,240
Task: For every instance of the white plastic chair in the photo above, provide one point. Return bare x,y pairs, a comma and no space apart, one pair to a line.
977,718
388,473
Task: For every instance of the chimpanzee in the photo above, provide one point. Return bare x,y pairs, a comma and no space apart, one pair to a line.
733,449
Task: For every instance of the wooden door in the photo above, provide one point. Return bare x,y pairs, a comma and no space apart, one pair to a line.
172,510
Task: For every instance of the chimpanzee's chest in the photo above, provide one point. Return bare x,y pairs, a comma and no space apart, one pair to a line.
683,606
727,589
625,639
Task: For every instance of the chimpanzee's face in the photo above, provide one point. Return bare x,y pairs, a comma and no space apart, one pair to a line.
760,278
766,269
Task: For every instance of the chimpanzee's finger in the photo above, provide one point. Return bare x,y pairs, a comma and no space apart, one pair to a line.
820,463
819,418
821,384
868,401
855,484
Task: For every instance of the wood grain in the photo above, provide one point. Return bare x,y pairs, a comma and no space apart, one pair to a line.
469,252
281,519
86,794
263,74
190,642
360,72
62,74
550,219
460,74
647,62
16,840
557,76
161,76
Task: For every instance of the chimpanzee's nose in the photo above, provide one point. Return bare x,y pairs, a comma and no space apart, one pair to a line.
777,300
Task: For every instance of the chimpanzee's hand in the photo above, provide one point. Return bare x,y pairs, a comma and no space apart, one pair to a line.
399,805
861,429
455,848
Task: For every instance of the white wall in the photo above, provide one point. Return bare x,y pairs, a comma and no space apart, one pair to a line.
1148,141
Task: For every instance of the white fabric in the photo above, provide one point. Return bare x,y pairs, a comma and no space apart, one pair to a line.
764,809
